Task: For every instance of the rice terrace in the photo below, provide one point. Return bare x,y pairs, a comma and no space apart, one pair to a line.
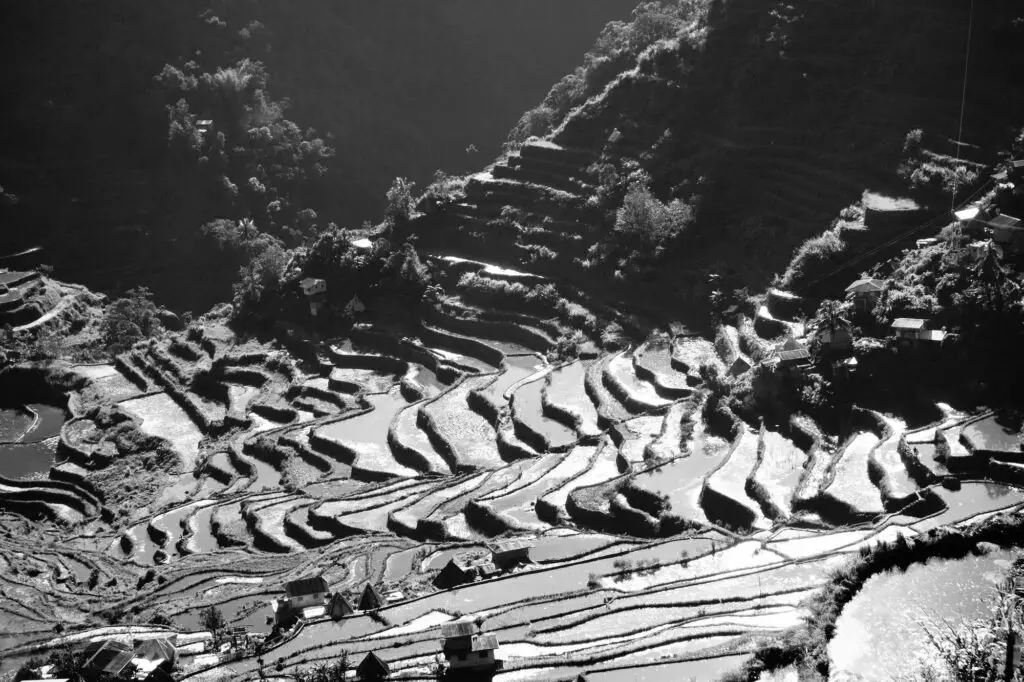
677,387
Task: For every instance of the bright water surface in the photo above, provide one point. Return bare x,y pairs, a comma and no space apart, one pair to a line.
881,633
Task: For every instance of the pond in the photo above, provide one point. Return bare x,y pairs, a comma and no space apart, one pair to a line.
35,450
882,633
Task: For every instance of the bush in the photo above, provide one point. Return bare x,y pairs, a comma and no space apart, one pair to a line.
400,200
129,319
813,258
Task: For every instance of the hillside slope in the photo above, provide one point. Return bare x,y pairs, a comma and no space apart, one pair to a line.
766,120
403,92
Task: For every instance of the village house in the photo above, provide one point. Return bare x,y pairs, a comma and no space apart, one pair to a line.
794,362
864,293
106,657
372,667
312,591
153,655
1007,231
370,599
339,607
467,649
315,290
912,330
508,553
462,569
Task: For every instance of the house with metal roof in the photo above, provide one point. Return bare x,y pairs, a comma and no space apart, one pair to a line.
312,591
372,667
339,607
467,649
106,657
793,361
864,293
911,330
370,600
508,553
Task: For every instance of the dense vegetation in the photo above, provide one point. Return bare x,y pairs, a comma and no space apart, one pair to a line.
87,164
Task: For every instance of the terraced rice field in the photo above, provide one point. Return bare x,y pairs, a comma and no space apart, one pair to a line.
163,418
341,467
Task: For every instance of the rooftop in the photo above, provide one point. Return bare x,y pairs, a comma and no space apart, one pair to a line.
909,323
866,284
305,586
484,643
511,545
969,213
460,628
1004,220
793,355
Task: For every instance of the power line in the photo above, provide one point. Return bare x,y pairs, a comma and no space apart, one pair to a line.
932,222
963,102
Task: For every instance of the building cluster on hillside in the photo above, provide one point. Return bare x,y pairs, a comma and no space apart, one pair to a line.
146,660
465,567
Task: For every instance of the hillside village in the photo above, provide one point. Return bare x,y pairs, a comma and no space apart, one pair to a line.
654,394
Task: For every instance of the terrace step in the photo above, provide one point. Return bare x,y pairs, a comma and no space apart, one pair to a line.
333,516
516,508
493,400
410,445
609,409
632,391
635,437
465,345
531,423
296,525
724,497
463,436
774,479
850,494
604,467
899,487
675,431
510,446
690,354
564,399
267,524
653,363
407,521
439,523
362,439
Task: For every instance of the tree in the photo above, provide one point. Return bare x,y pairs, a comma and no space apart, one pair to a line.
400,200
129,319
260,276
212,619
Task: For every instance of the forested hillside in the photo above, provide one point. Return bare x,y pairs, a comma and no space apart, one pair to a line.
394,88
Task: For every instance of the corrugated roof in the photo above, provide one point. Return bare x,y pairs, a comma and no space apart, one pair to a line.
484,643
306,586
460,628
1003,220
909,323
511,545
969,213
866,284
792,355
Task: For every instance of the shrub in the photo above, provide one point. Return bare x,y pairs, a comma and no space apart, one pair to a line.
400,200
129,319
813,258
